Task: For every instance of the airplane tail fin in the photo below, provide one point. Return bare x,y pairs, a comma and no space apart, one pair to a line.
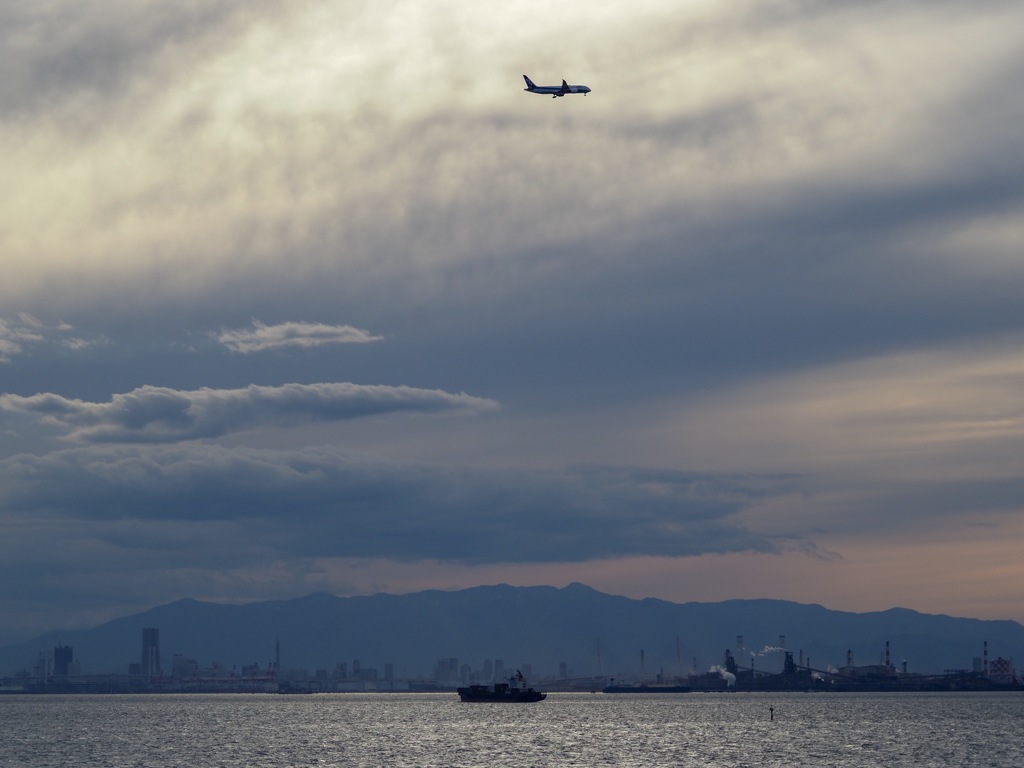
529,83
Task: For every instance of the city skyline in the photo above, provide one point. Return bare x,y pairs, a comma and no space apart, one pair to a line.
592,633
304,297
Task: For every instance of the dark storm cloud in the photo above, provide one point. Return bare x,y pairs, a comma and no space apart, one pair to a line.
335,503
163,415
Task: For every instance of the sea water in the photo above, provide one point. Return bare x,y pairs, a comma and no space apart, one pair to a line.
697,729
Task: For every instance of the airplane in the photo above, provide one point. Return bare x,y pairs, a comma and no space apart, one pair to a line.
555,90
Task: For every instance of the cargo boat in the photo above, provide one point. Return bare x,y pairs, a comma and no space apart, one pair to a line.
500,692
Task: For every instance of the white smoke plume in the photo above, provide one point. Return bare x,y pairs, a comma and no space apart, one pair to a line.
729,677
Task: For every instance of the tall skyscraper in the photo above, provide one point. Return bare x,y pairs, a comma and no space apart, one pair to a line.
151,652
63,658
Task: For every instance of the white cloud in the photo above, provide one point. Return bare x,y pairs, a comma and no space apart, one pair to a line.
25,330
16,333
262,337
164,415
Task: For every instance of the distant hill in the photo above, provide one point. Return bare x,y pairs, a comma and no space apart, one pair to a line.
593,632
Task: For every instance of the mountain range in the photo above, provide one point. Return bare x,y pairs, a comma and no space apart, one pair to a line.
593,633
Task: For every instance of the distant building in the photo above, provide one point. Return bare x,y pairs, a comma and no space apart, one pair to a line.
447,670
1001,671
63,660
183,668
43,667
150,652
253,670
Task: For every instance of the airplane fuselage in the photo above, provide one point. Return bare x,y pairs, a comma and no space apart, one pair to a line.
554,91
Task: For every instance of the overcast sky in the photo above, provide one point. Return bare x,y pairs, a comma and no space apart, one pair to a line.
303,295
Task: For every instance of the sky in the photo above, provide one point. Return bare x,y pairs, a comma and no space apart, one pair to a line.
311,296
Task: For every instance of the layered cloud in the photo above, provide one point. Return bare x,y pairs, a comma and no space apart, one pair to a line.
163,415
335,503
113,528
770,243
